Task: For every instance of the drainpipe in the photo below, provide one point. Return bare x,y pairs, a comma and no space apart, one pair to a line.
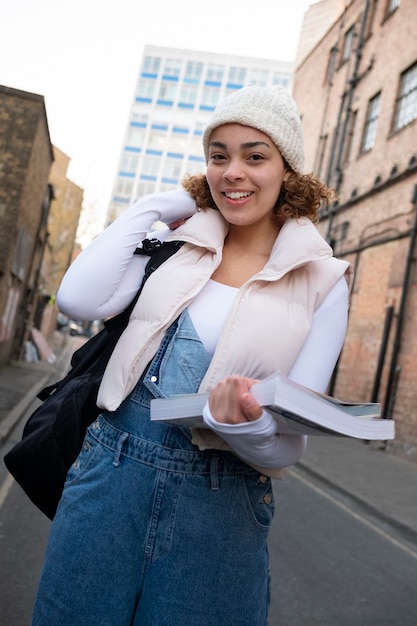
395,368
345,105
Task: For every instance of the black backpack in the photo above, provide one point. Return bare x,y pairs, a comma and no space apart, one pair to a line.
53,434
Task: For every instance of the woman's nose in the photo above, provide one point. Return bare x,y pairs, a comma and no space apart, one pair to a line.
233,171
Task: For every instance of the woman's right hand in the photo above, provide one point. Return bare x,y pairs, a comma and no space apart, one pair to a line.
231,402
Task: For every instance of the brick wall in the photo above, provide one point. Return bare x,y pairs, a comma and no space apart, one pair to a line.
26,157
372,223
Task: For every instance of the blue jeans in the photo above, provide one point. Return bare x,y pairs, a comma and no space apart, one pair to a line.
152,531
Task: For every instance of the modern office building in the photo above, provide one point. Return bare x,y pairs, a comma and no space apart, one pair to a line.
175,93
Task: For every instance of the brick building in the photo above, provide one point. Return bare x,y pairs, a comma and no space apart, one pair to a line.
39,213
357,94
25,196
62,224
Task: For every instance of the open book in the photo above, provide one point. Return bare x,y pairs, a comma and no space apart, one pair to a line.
297,410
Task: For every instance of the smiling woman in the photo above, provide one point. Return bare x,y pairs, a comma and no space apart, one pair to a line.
253,291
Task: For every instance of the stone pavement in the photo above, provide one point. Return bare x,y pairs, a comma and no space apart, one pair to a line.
383,485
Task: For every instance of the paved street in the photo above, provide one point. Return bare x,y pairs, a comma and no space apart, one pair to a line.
343,543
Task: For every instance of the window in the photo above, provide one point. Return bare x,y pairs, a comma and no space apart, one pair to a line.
195,166
157,140
210,96
237,75
167,91
196,146
280,79
347,44
351,123
369,132
150,165
172,168
172,67
370,18
129,163
177,142
145,89
193,70
259,77
391,6
144,189
135,137
215,73
139,118
123,188
331,64
188,94
22,250
321,153
151,65
406,106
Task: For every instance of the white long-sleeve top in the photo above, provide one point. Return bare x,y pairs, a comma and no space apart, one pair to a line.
104,278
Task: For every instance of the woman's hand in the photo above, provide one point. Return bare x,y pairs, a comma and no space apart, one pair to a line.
230,402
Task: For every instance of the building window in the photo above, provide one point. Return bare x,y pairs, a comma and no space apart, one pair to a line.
193,70
210,96
135,137
23,247
237,75
406,105
215,73
145,188
151,65
167,91
370,18
139,118
347,44
129,163
391,6
150,165
331,66
157,140
259,77
321,154
349,136
280,79
177,142
172,169
172,67
188,94
123,188
369,132
145,89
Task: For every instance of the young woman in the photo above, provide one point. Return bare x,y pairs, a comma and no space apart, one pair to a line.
160,525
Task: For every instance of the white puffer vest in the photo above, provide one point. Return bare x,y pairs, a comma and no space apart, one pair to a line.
267,325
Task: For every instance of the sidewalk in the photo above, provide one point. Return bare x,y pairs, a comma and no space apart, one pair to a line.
382,484
20,382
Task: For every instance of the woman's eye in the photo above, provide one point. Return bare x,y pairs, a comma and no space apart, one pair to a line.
256,157
217,157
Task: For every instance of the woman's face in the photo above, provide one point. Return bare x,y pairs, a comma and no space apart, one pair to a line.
245,171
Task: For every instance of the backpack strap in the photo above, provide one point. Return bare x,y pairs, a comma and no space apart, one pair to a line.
158,253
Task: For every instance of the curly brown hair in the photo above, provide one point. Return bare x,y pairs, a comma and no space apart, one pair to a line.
301,195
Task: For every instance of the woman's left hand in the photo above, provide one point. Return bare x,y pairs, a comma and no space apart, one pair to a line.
231,402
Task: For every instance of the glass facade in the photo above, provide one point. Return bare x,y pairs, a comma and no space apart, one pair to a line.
176,92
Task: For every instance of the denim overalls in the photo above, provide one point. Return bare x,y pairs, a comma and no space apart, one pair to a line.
152,531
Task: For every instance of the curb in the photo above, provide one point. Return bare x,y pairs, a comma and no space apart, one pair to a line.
408,533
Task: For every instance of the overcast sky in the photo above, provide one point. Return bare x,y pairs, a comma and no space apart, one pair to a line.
83,56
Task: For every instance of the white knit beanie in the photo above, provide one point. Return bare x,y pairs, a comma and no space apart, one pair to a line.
269,109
